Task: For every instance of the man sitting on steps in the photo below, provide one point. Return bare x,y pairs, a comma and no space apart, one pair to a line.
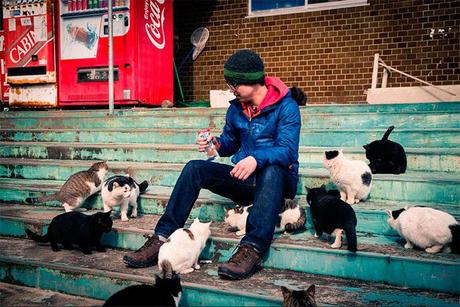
262,133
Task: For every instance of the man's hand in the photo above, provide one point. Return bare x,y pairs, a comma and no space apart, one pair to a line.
203,143
244,168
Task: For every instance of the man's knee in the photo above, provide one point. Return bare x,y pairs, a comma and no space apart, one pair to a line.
193,166
272,173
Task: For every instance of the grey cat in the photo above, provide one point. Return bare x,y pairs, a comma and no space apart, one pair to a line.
77,188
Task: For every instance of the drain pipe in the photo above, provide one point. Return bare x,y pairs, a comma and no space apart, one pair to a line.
111,94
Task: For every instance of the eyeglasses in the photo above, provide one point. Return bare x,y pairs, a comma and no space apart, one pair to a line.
232,87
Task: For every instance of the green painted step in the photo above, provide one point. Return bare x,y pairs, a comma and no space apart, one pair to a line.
390,262
12,295
425,138
339,120
419,159
201,288
371,213
452,107
412,186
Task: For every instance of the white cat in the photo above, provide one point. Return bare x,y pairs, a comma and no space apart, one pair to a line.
427,228
122,191
291,218
184,246
353,178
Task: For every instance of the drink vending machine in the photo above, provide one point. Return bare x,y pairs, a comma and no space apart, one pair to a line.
143,52
3,84
29,55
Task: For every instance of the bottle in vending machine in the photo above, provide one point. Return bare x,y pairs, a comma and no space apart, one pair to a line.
84,5
71,5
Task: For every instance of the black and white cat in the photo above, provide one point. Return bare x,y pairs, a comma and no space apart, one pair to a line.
291,218
333,216
166,291
76,228
299,298
122,191
353,178
385,156
426,228
183,248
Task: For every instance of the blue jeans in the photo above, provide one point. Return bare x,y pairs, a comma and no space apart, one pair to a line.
265,189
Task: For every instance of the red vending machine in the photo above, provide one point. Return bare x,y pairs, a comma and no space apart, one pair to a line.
142,45
30,52
3,84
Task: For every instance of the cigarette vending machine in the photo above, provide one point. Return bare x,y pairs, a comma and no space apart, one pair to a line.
142,45
30,61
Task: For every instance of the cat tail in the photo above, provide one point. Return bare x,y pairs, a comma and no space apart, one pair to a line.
143,186
387,134
455,245
35,200
166,269
37,238
350,231
299,225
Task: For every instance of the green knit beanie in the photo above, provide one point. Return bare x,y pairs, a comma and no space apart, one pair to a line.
244,67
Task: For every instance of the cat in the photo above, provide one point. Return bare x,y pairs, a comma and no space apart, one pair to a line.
122,191
332,215
76,228
353,178
426,228
385,156
166,291
77,188
291,218
299,298
183,248
299,95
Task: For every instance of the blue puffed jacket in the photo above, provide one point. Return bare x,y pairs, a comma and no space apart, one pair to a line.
271,137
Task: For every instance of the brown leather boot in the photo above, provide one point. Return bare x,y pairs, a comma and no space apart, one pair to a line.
145,256
242,264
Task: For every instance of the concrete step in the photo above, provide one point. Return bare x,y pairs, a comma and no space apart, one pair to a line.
430,187
379,259
371,214
338,120
418,159
424,138
451,107
102,274
13,295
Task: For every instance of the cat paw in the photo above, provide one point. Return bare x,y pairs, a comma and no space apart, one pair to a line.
87,252
316,235
434,249
186,271
335,246
197,266
357,201
240,233
124,219
133,215
408,245
101,249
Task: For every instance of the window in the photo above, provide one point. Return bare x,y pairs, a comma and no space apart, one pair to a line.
259,8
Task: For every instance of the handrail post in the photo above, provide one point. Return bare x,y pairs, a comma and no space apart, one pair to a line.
375,71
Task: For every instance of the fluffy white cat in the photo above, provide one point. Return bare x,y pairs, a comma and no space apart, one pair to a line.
184,246
122,191
236,218
353,178
427,228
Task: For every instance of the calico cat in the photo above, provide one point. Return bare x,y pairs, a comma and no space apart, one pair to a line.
166,291
122,191
352,177
426,228
291,218
77,188
332,215
299,298
75,228
183,248
385,156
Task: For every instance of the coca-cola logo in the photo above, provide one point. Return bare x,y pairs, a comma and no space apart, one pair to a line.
154,14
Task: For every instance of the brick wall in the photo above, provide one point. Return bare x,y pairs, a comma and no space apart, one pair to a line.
327,53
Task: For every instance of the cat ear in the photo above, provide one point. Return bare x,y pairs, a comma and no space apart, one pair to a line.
406,207
366,146
323,186
285,291
311,290
389,213
108,213
308,189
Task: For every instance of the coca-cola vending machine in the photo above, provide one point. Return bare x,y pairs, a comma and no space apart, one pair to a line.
30,52
142,45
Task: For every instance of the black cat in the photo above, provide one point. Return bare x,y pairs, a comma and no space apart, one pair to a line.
298,95
329,213
167,291
76,228
385,156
